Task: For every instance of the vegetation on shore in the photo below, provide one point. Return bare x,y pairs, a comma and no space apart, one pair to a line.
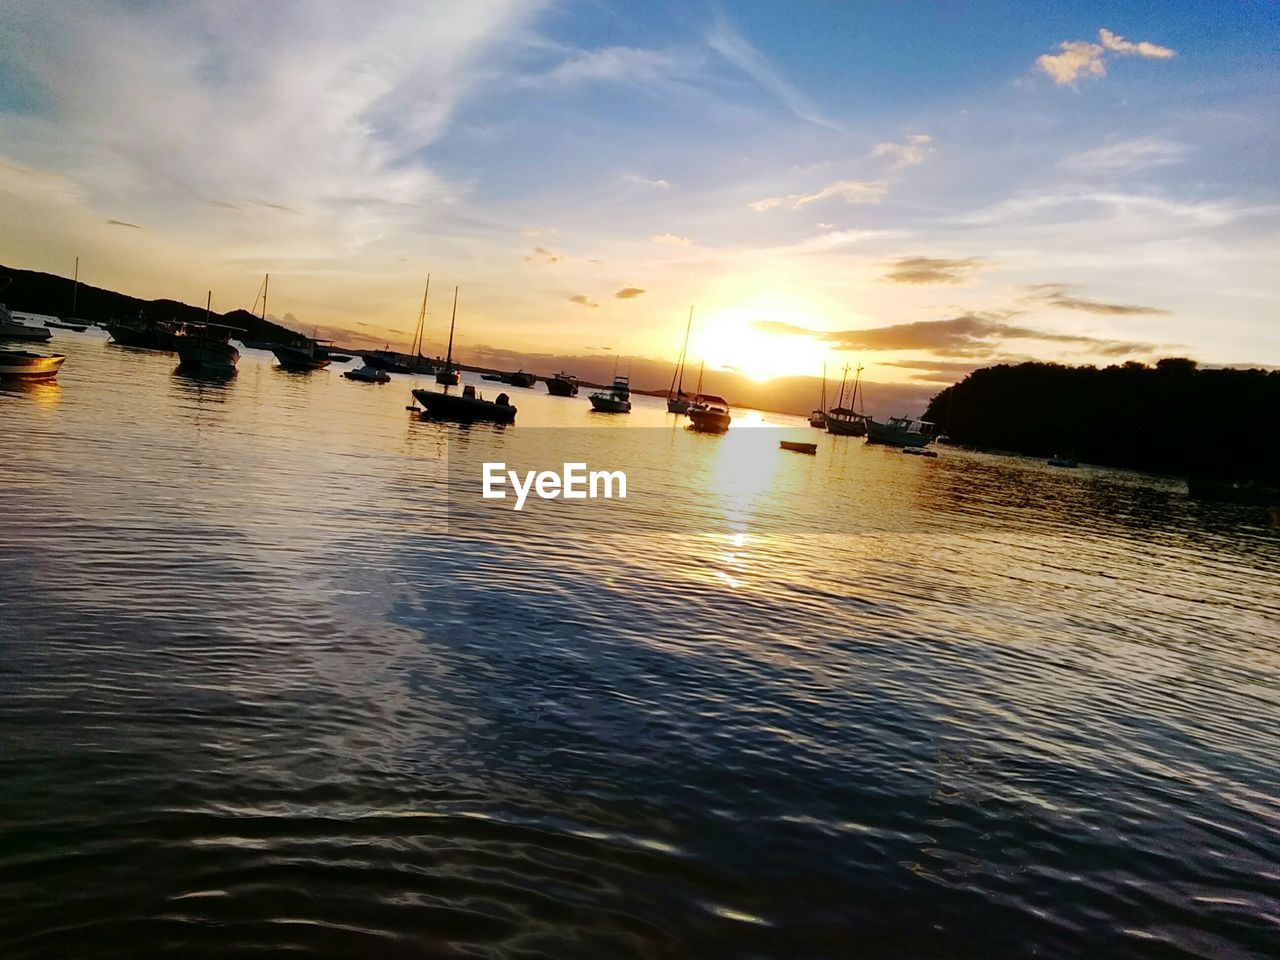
1170,418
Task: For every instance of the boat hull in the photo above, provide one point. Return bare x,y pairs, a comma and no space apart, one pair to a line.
894,436
818,420
853,427
207,356
21,331
607,404
798,447
21,365
448,378
63,325
677,405
452,406
143,337
559,387
368,375
292,358
708,421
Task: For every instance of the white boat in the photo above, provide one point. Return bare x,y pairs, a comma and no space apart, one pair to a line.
24,365
12,328
617,399
368,374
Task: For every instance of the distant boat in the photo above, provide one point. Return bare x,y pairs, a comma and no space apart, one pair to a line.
677,400
12,328
448,376
562,385
709,417
818,418
24,365
846,421
617,399
900,432
368,374
144,334
206,347
797,446
303,354
1067,462
338,357
522,378
71,322
466,406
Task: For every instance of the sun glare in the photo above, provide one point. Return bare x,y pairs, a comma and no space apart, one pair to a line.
729,339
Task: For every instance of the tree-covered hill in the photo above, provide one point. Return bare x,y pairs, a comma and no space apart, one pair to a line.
1170,418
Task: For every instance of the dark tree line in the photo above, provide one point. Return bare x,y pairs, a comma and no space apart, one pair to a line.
28,291
1170,418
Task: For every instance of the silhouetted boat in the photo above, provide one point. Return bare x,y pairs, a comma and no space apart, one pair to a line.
11,328
562,385
303,354
144,334
900,432
25,365
1057,461
368,374
448,375
677,400
797,446
616,399
709,417
846,421
466,406
64,325
818,418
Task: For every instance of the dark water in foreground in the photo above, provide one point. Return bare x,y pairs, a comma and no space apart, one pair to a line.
255,700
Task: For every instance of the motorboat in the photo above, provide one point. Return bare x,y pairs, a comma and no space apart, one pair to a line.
798,446
25,365
368,374
900,432
206,348
708,417
616,399
13,328
562,385
303,354
466,406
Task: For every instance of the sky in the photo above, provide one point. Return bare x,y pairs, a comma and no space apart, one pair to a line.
920,188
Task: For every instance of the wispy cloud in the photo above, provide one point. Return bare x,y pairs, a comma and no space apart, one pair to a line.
908,153
628,293
644,181
124,223
725,40
850,191
582,300
1077,58
932,269
616,65
544,255
1057,295
672,240
1139,153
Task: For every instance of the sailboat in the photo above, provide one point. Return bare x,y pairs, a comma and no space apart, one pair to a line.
819,417
70,322
677,401
449,376
707,413
206,347
846,421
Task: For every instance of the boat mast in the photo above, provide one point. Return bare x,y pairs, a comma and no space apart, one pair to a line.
679,371
266,279
857,380
422,320
822,403
702,366
448,360
844,377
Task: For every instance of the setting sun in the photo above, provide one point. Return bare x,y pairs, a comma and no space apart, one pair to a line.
729,339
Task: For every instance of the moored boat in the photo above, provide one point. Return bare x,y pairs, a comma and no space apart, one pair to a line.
818,418
303,354
466,406
900,432
709,417
206,348
25,365
846,421
798,446
66,325
368,374
448,375
522,378
677,400
562,385
144,334
616,399
13,328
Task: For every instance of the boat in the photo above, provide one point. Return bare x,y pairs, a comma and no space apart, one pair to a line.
920,451
258,344
447,375
11,328
305,353
846,421
1067,462
818,418
1216,486
368,374
64,325
494,377
338,357
522,378
206,347
466,406
900,432
71,322
708,417
144,334
616,399
562,385
677,400
25,365
798,446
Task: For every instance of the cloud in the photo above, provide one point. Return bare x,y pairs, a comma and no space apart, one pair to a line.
907,154
972,334
851,191
644,181
615,65
124,223
672,240
1144,48
1056,295
582,300
932,269
937,371
725,40
628,293
1081,58
1139,153
545,255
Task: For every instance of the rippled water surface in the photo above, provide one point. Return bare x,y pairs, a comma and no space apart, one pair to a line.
268,687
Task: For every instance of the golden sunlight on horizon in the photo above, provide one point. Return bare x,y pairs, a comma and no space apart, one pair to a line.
727,338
